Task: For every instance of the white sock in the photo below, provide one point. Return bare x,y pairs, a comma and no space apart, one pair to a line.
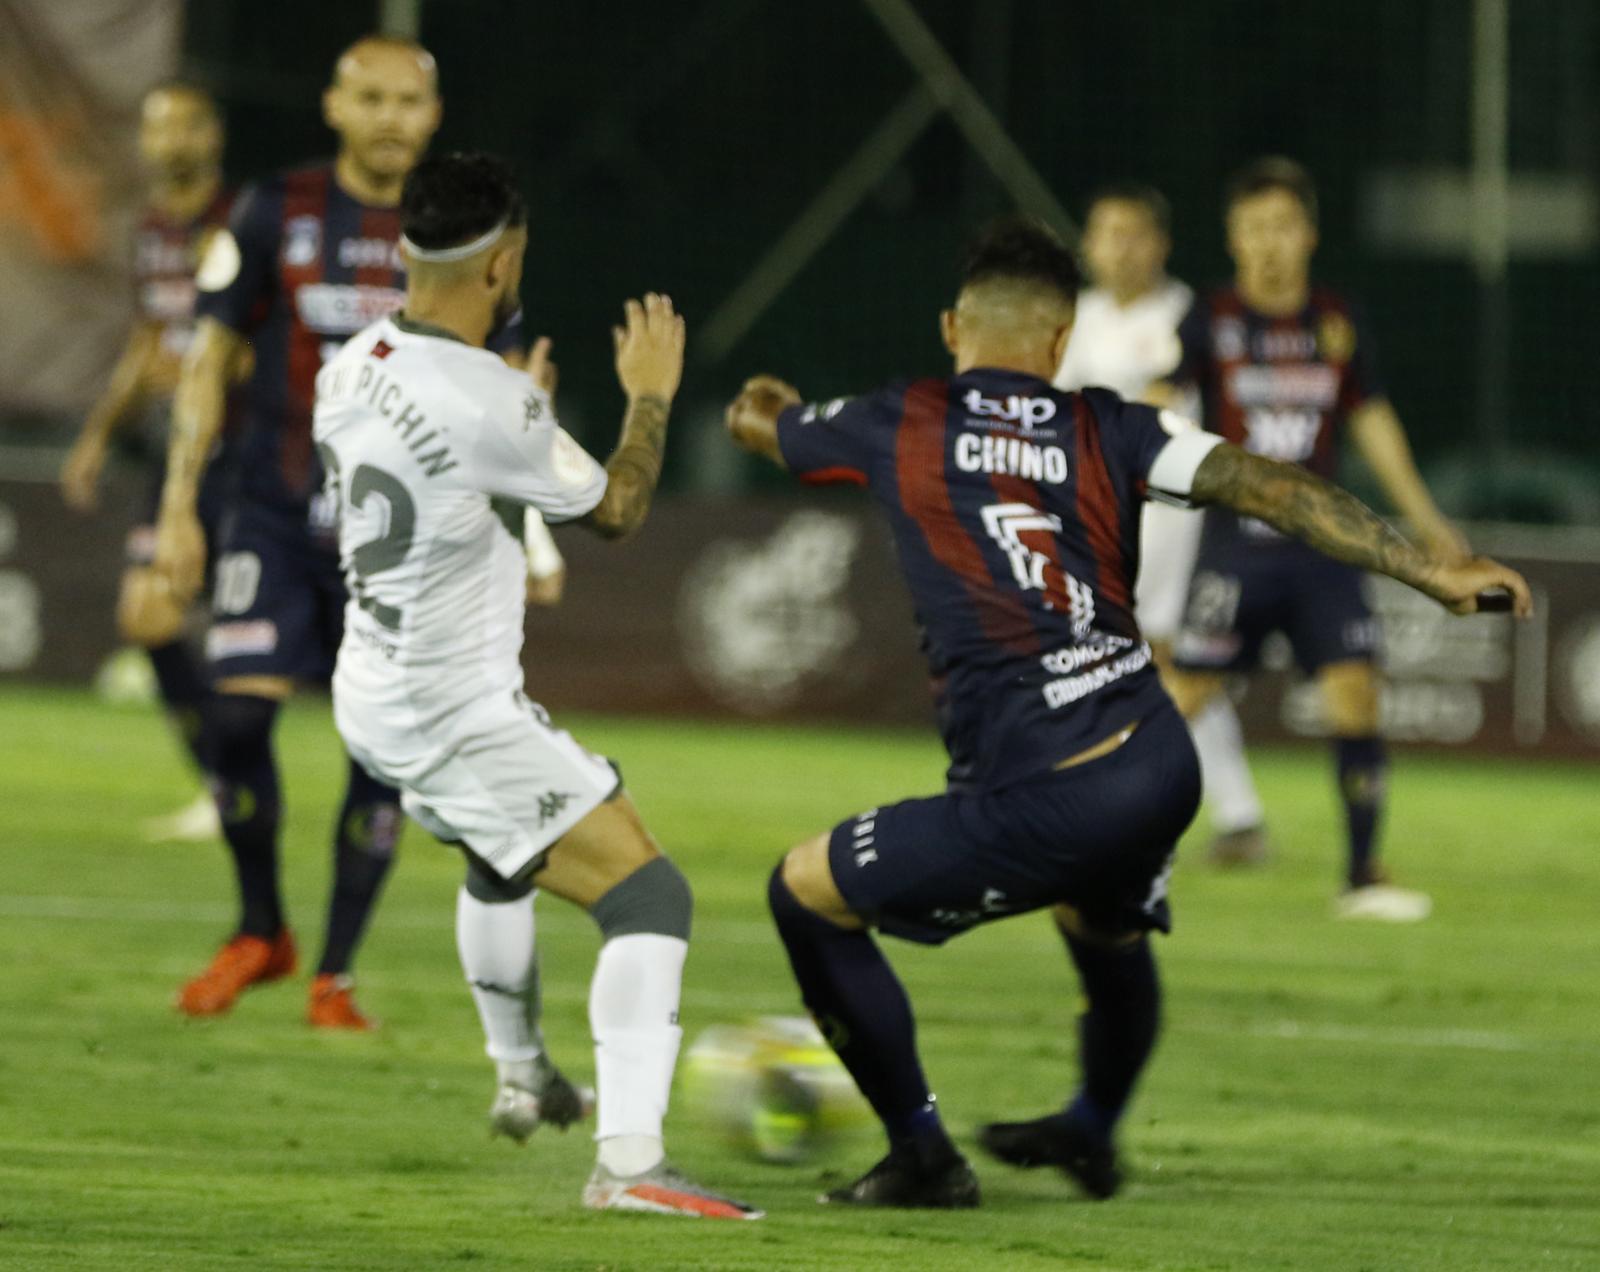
633,1012
495,942
1229,788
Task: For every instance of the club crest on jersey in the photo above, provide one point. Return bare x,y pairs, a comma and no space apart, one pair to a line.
1030,412
1229,338
1336,339
302,241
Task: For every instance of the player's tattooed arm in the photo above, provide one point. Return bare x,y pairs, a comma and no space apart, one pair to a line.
649,350
198,408
752,417
1335,522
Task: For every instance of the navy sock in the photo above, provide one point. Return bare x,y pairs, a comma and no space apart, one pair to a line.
862,1009
1363,770
1118,1031
246,786
366,835
184,692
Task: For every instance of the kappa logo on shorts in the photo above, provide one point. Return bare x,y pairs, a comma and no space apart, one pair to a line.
552,804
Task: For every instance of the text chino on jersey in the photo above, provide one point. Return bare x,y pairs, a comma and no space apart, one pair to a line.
432,447
1015,511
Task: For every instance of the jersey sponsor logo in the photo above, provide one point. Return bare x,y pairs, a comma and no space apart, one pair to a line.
235,640
1230,339
342,309
1030,412
219,266
370,253
1070,689
1280,345
1074,658
1285,435
1312,384
302,241
988,453
158,254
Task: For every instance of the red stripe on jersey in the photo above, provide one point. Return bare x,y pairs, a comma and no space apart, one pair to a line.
1099,511
837,474
379,223
919,454
305,194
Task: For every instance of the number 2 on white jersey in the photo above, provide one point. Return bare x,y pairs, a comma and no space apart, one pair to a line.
389,549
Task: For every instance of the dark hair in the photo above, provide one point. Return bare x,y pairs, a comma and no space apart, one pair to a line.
1022,248
452,199
1146,196
1271,173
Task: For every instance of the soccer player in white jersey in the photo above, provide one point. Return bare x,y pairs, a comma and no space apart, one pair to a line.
1125,338
433,446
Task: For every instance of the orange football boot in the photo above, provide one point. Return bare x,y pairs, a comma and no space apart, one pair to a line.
244,961
332,1005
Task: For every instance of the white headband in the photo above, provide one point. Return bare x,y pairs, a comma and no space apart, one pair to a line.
459,253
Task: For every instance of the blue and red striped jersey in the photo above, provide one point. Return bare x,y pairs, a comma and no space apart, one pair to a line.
166,255
1280,387
1015,511
313,266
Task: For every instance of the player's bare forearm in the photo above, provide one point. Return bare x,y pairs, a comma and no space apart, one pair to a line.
752,417
634,468
1335,522
1300,504
197,410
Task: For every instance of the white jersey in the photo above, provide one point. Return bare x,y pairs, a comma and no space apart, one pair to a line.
419,433
1125,348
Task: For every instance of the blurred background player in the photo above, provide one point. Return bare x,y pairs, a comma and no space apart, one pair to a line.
312,257
431,441
1125,337
1286,369
180,146
1071,774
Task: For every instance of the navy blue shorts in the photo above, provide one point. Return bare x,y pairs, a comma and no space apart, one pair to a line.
277,604
1099,837
1238,598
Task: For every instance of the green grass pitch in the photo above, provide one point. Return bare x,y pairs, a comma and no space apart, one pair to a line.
1325,1096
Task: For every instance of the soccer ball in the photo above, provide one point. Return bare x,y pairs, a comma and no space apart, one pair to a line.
772,1088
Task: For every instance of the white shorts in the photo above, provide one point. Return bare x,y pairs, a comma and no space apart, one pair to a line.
495,776
1169,539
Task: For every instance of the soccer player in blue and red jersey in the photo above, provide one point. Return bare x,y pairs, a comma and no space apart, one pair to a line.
1286,369
180,145
312,257
1015,510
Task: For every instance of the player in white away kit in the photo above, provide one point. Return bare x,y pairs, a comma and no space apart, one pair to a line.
434,446
1126,337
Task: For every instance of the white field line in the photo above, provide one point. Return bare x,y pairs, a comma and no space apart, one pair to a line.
751,932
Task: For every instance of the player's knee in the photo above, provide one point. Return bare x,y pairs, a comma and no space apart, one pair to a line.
1072,924
1350,701
241,730
484,885
655,899
805,876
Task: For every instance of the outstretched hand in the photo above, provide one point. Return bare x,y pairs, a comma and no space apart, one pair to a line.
650,348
